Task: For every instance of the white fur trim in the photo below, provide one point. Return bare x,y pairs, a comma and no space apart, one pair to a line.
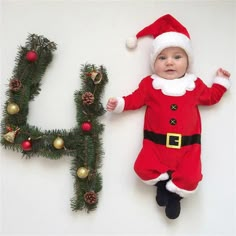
181,192
161,177
120,105
222,81
175,87
171,39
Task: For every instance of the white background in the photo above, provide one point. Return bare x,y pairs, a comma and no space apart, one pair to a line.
35,194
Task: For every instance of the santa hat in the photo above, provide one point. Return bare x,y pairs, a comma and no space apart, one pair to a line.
167,32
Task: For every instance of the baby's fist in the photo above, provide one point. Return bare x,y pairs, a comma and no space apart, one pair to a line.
111,104
223,73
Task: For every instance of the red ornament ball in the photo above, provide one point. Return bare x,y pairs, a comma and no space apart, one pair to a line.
31,56
86,126
26,145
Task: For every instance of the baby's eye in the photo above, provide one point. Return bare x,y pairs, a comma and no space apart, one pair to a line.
161,57
177,56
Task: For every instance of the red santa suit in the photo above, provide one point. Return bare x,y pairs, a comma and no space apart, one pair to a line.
172,125
172,128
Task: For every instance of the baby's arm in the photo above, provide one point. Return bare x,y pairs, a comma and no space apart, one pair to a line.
223,73
111,104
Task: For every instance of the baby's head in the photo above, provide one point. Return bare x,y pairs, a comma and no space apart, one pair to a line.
167,32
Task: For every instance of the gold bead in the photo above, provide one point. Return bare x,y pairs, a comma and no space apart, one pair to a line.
58,143
12,108
82,172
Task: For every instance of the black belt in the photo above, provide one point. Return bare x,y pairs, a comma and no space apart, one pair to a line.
172,140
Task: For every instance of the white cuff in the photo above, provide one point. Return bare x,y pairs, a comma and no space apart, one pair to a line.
120,105
222,81
181,192
161,177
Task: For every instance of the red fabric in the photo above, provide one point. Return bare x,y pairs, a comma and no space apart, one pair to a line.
164,24
155,159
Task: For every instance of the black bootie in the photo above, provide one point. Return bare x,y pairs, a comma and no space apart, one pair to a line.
173,206
163,194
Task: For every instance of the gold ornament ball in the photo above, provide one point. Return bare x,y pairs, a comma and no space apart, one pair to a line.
12,108
58,143
82,172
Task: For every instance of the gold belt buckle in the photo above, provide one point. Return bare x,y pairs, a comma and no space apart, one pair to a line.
176,140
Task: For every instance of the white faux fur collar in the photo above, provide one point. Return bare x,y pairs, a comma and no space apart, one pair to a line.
175,87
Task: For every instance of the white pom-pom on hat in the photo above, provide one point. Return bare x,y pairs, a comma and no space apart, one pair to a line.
131,42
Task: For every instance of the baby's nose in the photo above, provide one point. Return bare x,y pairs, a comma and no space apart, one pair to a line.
169,61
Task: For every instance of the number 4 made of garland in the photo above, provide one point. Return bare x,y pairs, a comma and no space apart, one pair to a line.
82,142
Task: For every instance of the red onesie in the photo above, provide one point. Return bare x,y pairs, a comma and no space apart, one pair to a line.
172,128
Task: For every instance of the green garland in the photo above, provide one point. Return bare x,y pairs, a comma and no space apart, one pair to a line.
83,142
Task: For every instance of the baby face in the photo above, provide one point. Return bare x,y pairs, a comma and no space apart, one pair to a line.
171,63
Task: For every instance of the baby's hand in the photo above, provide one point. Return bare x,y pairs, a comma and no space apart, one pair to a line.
111,104
222,73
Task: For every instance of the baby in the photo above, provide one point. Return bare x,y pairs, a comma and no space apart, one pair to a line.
170,156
